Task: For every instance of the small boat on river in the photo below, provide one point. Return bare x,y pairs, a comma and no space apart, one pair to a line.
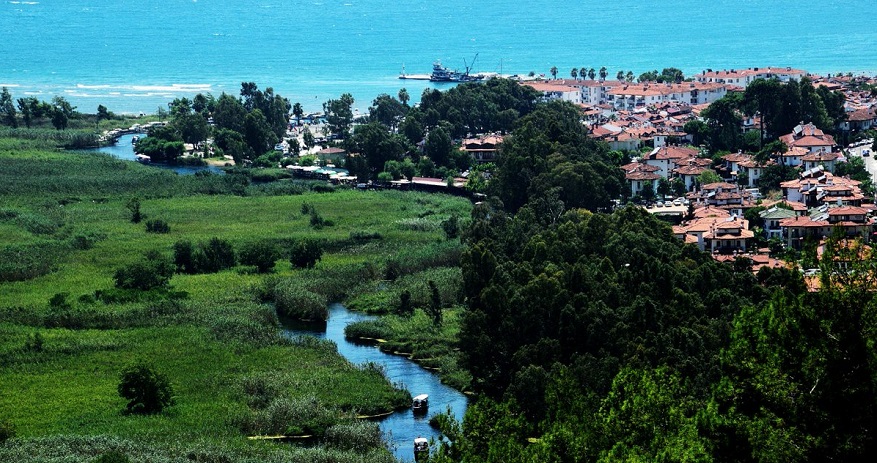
420,404
421,449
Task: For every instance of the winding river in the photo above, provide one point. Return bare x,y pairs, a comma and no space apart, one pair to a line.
401,427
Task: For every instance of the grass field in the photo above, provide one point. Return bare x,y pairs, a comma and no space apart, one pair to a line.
66,229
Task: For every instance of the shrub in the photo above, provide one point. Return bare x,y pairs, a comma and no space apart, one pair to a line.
146,390
262,254
153,271
157,226
7,431
362,235
306,253
213,256
86,240
292,299
358,436
113,456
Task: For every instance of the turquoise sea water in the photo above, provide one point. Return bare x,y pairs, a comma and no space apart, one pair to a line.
133,56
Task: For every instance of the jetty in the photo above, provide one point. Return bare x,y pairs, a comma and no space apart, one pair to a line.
414,76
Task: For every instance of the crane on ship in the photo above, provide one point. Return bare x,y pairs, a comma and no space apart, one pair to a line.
468,65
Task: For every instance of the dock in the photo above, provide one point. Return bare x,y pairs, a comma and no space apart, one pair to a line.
414,76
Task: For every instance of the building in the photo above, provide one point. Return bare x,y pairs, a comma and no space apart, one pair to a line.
809,137
744,77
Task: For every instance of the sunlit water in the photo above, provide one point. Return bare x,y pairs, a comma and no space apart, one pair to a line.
401,427
134,55
124,149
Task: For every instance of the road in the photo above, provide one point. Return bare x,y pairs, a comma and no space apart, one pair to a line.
870,162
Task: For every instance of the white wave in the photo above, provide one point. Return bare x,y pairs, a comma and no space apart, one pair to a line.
10,85
93,87
172,88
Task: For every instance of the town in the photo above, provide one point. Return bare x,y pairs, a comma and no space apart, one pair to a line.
730,216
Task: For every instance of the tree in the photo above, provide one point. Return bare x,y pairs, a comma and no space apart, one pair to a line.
592,73
724,125
583,72
306,253
133,205
762,96
7,109
435,304
386,110
297,111
553,72
439,146
258,134
339,115
147,390
574,73
404,97
603,73
620,75
62,112
405,308
629,76
262,254
664,187
103,113
451,227
708,176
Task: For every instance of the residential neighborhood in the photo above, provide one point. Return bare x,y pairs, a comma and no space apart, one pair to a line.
730,216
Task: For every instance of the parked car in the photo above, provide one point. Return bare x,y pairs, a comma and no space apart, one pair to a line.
660,204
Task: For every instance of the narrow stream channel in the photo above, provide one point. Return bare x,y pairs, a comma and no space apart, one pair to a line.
401,427
124,149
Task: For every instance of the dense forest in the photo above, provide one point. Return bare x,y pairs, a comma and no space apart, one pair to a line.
596,336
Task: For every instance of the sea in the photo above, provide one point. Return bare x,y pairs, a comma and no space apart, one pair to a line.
134,56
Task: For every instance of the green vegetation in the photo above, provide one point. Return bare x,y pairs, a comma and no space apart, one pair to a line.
86,293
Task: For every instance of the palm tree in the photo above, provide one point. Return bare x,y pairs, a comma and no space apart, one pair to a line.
574,73
553,71
629,76
403,96
603,73
297,111
583,72
620,75
592,73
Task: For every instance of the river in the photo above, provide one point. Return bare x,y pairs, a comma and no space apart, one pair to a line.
124,149
401,427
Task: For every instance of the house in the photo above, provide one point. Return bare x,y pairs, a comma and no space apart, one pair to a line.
771,219
809,137
482,149
819,158
721,233
557,90
744,77
861,119
667,158
639,175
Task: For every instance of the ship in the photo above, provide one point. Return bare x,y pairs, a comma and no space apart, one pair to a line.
443,74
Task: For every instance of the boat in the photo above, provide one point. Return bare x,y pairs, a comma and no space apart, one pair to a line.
134,140
421,449
442,74
420,404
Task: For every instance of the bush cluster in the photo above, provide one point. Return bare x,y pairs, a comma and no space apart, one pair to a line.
208,257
